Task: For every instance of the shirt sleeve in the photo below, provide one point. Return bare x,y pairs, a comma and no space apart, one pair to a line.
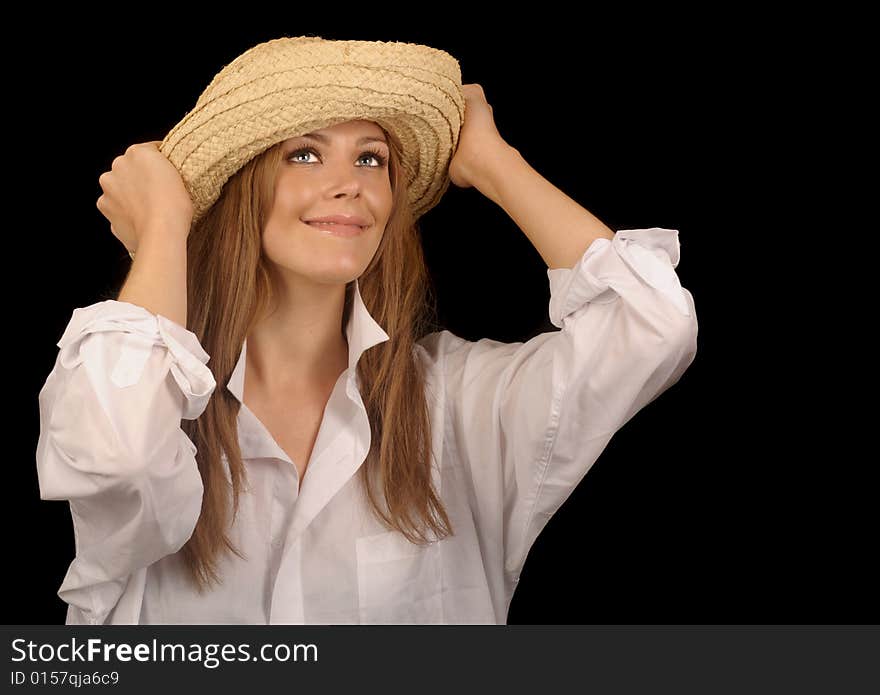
111,444
530,419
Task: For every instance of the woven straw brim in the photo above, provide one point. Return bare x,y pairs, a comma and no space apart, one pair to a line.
290,86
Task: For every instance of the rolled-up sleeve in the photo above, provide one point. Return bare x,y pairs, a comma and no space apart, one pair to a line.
111,444
529,419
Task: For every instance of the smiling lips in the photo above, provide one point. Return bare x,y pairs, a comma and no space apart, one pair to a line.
339,225
338,229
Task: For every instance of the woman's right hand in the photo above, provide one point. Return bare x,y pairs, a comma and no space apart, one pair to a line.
144,192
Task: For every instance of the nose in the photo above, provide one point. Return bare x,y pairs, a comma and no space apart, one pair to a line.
342,178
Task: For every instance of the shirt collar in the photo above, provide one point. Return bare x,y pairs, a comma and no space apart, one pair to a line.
361,330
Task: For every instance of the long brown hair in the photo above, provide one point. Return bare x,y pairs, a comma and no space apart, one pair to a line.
229,290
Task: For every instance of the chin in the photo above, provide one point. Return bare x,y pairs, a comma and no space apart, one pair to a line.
328,273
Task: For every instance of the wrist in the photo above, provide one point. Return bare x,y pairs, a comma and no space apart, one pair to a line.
497,162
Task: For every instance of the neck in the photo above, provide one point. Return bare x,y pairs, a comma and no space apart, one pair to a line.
299,345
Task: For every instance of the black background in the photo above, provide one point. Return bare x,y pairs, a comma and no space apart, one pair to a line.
733,498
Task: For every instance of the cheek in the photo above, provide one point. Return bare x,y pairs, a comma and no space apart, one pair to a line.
282,234
288,196
382,199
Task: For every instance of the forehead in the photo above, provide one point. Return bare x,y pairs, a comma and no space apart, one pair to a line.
350,129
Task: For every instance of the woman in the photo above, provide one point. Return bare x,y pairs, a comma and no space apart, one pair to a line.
360,466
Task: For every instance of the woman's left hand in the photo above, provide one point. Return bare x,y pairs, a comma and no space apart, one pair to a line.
478,139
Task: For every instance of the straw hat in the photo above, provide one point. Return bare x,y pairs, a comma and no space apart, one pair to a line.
294,85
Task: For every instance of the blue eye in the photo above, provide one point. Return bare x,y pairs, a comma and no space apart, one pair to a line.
375,153
297,153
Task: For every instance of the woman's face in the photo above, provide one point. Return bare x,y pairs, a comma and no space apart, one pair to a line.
336,176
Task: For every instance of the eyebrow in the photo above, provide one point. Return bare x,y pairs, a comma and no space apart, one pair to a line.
325,139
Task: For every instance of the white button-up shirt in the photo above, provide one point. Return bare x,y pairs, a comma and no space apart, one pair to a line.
515,428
